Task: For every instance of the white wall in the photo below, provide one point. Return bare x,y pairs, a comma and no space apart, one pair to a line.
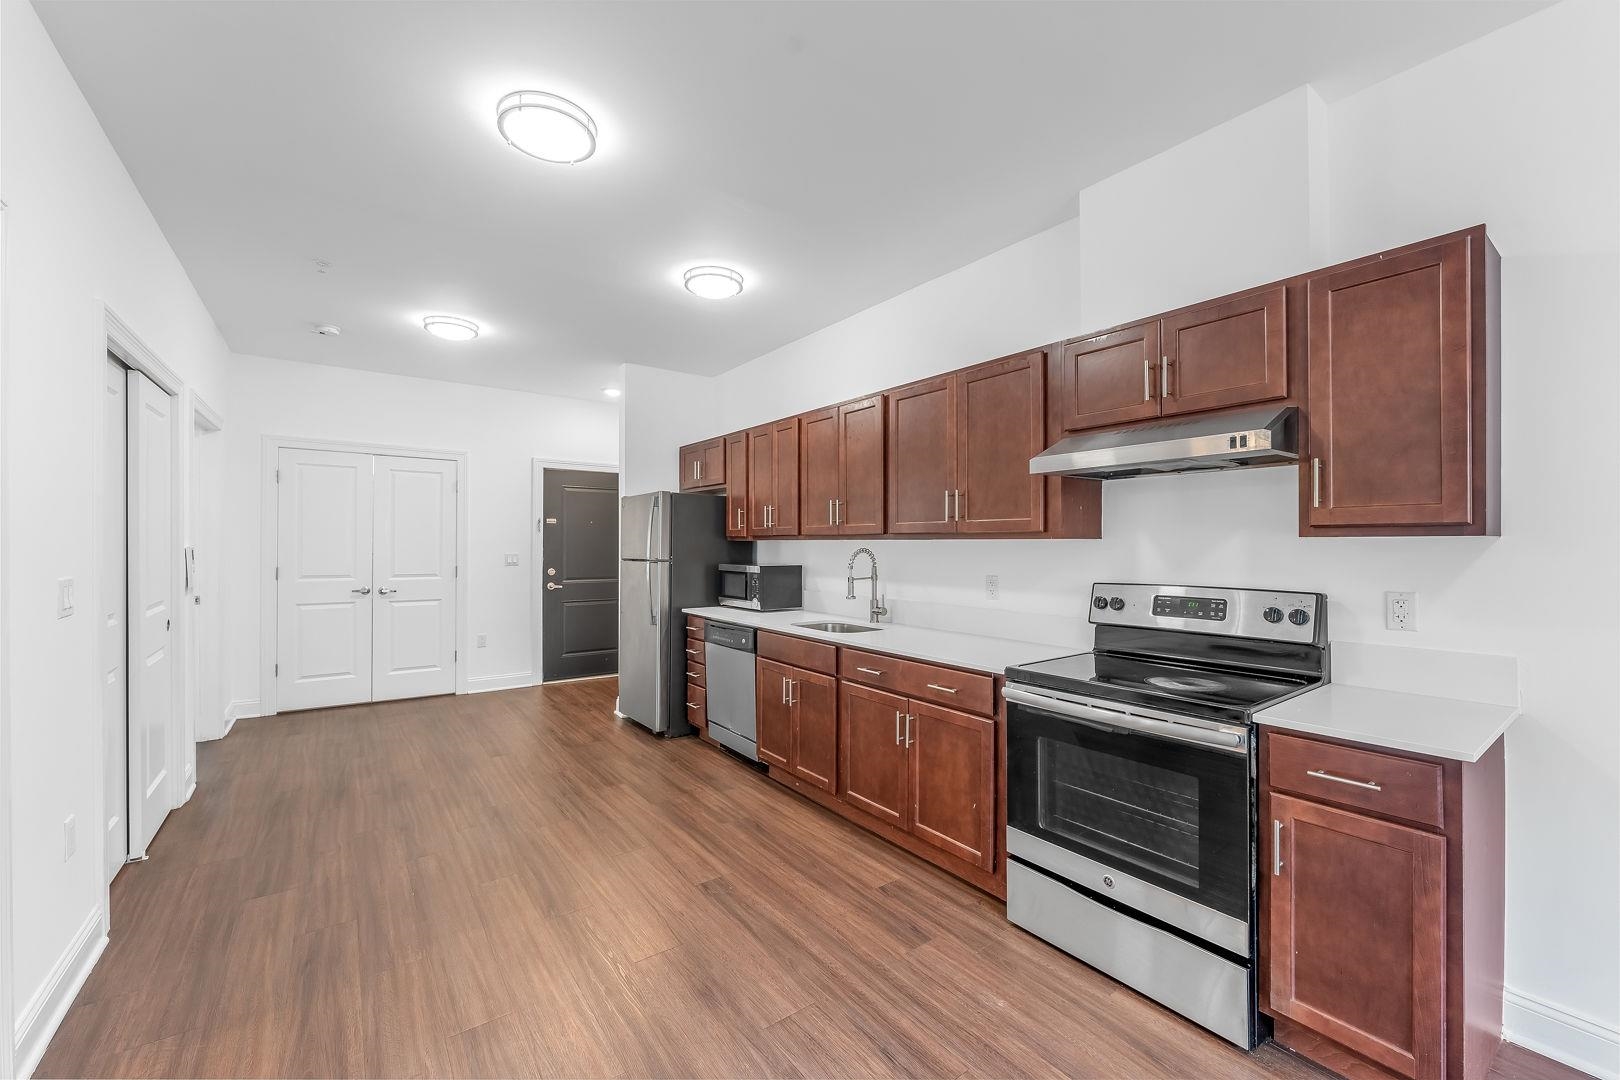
1515,130
501,431
77,234
660,409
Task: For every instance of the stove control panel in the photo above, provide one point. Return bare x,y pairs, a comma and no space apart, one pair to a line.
1212,608
1253,613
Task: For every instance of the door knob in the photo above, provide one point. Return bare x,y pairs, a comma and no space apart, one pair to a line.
552,585
385,591
365,591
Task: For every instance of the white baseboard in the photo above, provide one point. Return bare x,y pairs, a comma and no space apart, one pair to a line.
238,710
1564,1035
43,1014
483,684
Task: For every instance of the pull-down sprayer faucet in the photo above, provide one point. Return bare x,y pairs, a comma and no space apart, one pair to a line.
879,609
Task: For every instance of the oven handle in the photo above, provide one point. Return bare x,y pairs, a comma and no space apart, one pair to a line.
1092,716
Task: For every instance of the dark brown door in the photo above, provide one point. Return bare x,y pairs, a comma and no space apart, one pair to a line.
1231,353
953,776
761,479
712,463
1111,378
1388,374
819,473
860,467
815,729
1000,425
785,500
1357,932
579,541
691,462
737,485
873,762
922,457
773,716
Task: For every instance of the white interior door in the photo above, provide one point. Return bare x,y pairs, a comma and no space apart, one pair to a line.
414,561
323,579
114,556
151,607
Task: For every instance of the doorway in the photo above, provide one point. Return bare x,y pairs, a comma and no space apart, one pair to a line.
577,572
366,577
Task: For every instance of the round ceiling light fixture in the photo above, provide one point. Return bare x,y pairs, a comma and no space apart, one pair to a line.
450,327
546,126
713,282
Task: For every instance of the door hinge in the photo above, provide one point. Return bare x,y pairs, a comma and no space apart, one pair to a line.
278,669
278,476
278,573
458,570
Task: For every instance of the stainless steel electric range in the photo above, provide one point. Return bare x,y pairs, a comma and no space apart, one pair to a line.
1131,788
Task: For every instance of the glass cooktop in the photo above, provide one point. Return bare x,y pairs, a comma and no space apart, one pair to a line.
1160,684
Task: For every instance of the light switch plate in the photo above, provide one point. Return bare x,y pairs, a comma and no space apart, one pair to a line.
64,597
511,559
480,641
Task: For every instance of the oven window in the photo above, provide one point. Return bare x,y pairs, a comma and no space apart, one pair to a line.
1144,814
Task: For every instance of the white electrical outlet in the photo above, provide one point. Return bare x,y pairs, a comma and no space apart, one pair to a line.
1400,611
480,641
511,559
992,586
70,837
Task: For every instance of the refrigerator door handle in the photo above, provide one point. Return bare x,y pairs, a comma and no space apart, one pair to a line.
652,520
652,602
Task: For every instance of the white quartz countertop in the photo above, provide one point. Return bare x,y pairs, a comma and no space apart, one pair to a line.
1416,723
969,651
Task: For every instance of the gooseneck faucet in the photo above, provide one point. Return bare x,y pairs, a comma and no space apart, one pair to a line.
878,609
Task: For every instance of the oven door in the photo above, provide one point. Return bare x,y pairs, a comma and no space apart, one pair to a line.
1144,812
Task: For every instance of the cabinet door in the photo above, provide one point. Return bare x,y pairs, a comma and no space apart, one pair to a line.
922,457
773,716
785,500
999,427
1388,379
712,463
860,467
1111,378
737,485
1231,353
953,777
691,462
815,729
1357,932
761,479
819,473
873,763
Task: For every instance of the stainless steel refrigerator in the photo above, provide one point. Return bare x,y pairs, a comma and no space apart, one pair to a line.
670,545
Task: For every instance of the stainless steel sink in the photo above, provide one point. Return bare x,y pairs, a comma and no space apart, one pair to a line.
838,627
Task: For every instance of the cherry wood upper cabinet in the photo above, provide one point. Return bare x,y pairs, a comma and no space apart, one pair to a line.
873,762
773,479
861,428
1391,374
761,453
773,716
1357,933
736,455
818,472
703,465
1232,352
999,427
1111,378
922,457
953,781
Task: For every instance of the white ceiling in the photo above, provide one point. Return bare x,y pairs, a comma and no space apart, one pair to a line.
836,153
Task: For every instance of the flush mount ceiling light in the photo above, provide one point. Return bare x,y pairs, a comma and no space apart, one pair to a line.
713,282
611,391
450,327
546,126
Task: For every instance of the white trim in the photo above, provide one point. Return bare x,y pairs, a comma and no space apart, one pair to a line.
537,577
236,710
1579,1041
208,416
43,1015
483,684
270,447
6,763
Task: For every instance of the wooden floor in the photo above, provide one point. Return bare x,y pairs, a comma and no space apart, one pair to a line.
518,884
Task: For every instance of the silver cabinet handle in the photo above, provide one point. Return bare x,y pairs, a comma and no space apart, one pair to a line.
693,705
830,520
363,591
693,675
1164,376
909,719
1368,784
942,689
1316,481
958,506
1276,848
691,652
784,691
793,691
898,716
1147,380
870,670
838,511
385,591
947,505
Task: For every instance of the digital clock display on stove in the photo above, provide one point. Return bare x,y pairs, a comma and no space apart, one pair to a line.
1190,607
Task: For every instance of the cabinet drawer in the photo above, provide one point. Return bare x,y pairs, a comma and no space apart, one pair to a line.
694,673
873,669
810,655
947,686
1397,787
697,705
694,625
694,650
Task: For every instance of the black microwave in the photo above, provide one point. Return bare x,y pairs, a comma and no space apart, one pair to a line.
762,588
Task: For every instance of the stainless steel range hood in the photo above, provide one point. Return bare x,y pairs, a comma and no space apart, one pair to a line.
1268,435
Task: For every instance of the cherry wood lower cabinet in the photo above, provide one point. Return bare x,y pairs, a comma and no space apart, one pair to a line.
875,772
796,713
1381,907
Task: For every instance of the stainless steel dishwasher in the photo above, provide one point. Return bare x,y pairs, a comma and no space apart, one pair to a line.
728,654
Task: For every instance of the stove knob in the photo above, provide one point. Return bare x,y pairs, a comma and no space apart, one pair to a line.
1100,602
1299,616
1272,614
1117,604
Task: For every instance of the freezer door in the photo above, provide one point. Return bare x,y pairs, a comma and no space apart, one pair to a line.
644,526
643,623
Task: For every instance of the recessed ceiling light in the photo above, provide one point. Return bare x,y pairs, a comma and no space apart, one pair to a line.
713,282
450,327
611,391
546,126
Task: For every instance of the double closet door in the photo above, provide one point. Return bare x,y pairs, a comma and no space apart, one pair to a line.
366,572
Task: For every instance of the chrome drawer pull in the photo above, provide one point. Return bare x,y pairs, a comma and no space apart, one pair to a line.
693,705
1276,848
869,671
693,675
941,689
1368,784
